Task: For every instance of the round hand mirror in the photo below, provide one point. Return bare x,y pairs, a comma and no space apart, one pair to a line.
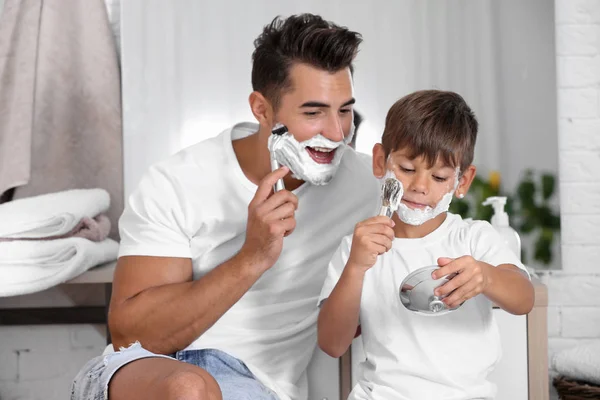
416,292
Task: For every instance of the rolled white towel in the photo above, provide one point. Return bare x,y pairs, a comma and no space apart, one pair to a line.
52,214
32,266
581,362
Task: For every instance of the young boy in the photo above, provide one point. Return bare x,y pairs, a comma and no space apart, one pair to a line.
428,144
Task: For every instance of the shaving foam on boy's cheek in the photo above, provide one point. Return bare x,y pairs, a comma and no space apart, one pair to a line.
420,216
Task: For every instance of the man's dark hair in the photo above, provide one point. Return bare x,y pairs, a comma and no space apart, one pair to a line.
357,119
433,124
304,38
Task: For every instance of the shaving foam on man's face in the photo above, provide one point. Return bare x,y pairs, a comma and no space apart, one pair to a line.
415,207
317,111
315,160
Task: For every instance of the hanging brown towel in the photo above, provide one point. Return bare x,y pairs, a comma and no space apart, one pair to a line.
76,134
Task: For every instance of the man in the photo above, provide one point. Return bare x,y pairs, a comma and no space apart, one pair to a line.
215,269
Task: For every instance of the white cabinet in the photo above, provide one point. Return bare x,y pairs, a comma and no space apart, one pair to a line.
323,377
510,374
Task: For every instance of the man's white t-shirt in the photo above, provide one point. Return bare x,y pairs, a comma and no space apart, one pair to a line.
195,205
414,356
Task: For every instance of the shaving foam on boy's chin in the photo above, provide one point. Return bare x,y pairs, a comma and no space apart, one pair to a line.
418,216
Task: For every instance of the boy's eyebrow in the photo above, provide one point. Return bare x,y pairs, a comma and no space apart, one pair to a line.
453,169
318,104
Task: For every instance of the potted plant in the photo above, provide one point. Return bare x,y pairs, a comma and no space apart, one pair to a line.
530,210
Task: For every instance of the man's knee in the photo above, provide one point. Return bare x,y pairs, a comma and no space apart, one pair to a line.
191,385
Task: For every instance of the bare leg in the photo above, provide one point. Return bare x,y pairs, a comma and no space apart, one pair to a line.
162,379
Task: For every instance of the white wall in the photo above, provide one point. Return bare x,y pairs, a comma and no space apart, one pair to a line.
39,362
574,304
191,78
527,80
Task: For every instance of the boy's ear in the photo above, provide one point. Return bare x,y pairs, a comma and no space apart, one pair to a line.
379,167
465,181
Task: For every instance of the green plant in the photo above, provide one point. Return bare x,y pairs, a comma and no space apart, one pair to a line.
529,209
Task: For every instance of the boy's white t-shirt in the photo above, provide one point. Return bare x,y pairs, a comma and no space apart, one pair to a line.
195,205
414,356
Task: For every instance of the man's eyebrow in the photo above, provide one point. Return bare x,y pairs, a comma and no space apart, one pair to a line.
318,104
349,102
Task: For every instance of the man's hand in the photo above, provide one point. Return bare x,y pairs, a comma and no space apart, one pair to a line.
372,237
471,279
270,219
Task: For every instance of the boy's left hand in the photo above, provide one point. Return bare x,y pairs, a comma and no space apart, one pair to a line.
472,279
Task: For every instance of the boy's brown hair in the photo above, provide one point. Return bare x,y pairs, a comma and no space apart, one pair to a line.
433,124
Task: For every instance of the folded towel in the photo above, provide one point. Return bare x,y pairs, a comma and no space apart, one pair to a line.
51,215
94,229
33,266
581,362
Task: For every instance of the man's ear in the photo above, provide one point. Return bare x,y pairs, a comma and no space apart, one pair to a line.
379,167
262,109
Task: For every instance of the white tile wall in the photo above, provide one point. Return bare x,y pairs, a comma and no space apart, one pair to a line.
574,312
39,362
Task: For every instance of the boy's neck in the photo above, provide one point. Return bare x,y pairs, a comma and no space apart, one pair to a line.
406,231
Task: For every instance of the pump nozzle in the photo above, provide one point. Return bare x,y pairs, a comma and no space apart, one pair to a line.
500,217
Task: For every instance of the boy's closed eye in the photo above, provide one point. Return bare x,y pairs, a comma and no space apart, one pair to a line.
438,178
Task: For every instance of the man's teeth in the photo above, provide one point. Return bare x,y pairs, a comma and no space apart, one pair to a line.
323,149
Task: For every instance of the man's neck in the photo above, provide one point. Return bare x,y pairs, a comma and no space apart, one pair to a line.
406,231
253,156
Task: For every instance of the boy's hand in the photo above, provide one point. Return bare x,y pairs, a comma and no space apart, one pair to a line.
471,279
372,237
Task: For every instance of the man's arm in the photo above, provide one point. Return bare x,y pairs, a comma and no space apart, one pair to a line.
155,301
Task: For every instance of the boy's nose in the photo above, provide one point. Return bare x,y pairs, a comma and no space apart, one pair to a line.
419,184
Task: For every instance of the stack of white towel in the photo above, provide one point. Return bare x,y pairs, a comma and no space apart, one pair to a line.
580,362
46,240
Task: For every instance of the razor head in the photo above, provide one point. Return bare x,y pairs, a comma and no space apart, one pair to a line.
279,129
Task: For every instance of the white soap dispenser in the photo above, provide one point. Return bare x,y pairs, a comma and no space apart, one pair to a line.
500,222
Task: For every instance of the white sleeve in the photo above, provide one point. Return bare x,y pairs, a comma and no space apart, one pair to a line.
152,223
335,268
488,246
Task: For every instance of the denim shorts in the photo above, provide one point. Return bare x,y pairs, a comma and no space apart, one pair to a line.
234,378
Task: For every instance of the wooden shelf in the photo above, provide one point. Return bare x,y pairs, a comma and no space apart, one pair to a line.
100,274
